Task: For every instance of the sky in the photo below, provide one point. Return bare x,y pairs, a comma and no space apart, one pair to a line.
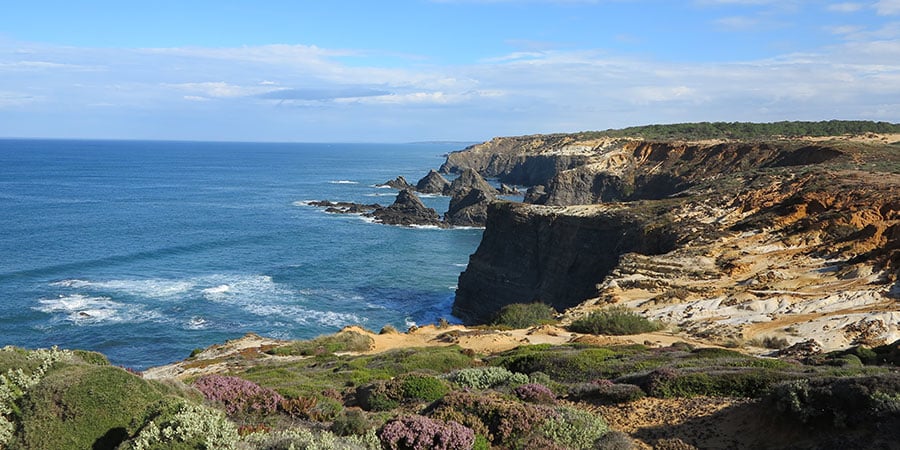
423,70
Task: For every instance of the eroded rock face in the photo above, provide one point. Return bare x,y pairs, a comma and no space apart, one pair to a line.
397,183
433,183
469,208
469,179
531,253
407,210
727,241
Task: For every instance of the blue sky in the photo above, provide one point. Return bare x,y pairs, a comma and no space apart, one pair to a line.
396,71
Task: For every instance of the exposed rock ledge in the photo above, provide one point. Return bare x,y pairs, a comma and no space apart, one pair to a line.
777,239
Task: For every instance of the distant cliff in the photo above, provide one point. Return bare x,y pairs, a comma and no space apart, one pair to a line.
678,228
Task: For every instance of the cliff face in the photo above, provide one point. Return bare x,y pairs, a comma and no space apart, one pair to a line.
724,240
557,256
528,160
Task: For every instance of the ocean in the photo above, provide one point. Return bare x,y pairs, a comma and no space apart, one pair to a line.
146,250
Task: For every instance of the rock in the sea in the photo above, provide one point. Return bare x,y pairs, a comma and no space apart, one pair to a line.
506,189
397,183
407,210
535,195
469,179
345,207
433,183
469,208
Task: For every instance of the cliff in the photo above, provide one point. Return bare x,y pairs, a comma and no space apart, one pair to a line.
726,240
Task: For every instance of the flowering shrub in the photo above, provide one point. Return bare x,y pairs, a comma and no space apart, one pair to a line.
191,423
239,395
574,428
486,377
422,433
501,420
535,393
15,384
304,439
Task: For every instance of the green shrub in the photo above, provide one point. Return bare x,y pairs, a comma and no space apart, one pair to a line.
574,428
78,406
615,440
615,320
95,358
607,393
351,422
524,315
345,341
422,387
486,377
304,439
183,425
840,402
501,420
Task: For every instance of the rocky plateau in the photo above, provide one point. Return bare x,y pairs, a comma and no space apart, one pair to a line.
728,241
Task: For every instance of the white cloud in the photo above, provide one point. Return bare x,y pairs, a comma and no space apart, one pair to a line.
888,7
847,7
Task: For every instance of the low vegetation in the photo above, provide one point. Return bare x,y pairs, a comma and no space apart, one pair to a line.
749,131
614,320
535,396
524,315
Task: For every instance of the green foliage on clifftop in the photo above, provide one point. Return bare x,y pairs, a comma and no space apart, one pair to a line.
747,131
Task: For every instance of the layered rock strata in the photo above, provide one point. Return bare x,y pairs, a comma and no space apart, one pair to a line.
726,241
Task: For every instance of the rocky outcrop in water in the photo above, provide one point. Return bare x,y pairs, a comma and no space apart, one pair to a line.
469,208
397,183
432,183
506,189
407,210
469,179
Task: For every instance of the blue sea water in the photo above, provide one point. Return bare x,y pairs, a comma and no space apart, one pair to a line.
147,250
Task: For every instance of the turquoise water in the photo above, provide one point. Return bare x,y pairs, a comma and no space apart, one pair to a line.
147,250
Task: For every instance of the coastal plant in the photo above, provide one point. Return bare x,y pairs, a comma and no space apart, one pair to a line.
524,315
185,425
486,377
352,421
573,428
385,395
615,320
238,395
500,419
305,439
326,409
344,341
606,393
535,393
298,407
15,383
423,433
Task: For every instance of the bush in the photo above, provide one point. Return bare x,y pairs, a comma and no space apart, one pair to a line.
839,402
388,394
486,377
606,393
238,395
83,406
535,393
524,315
351,422
303,439
501,420
423,433
574,428
615,320
344,341
615,440
183,425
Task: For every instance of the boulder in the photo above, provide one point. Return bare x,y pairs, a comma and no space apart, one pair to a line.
433,183
397,183
469,179
506,189
469,208
407,210
535,195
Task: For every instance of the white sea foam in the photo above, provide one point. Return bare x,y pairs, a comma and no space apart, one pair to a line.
216,290
303,202
426,227
197,323
84,309
381,186
152,288
343,182
460,265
